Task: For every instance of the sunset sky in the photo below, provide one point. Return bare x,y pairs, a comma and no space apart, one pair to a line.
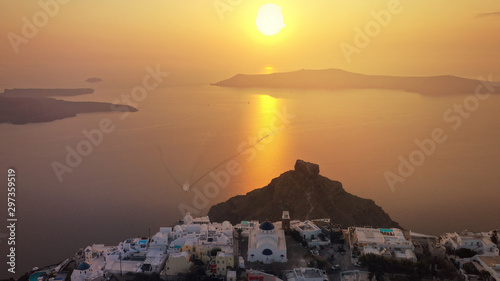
117,39
81,182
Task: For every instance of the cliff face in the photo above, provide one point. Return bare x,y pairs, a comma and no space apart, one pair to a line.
307,195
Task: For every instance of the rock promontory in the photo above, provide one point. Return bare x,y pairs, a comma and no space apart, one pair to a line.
306,195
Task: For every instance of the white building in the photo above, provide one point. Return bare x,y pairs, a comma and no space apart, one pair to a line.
161,239
491,264
198,238
135,255
195,238
224,261
84,272
476,241
306,274
177,263
93,252
93,267
310,232
217,241
307,229
246,227
381,241
267,244
421,241
155,260
231,275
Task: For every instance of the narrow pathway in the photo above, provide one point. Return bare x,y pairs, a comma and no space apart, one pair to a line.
308,197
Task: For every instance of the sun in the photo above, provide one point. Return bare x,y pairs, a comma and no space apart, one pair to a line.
270,19
269,69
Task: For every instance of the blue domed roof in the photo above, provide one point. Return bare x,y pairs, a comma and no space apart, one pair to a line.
83,266
266,226
267,252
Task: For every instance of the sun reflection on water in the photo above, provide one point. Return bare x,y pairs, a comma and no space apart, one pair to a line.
266,143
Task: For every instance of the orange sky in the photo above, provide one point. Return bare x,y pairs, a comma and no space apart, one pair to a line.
116,39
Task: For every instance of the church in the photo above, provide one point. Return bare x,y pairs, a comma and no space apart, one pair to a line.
267,244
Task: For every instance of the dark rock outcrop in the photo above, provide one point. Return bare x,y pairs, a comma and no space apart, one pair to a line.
310,170
306,195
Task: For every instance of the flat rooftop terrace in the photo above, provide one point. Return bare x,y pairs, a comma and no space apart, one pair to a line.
308,272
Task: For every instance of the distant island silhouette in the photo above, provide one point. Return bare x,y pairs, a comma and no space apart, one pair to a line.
23,106
20,111
38,93
93,80
337,79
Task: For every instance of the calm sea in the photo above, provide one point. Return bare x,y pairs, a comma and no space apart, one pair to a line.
222,142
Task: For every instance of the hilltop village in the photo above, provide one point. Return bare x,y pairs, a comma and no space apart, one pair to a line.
289,249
